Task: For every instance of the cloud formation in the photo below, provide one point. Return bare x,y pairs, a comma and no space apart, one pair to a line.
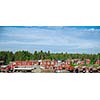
56,37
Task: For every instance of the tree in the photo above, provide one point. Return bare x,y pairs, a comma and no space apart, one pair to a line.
35,55
6,56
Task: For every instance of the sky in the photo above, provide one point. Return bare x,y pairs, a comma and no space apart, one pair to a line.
71,39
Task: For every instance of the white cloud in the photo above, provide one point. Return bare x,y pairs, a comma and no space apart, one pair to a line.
69,37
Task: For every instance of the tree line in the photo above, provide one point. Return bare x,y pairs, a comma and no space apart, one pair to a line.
8,56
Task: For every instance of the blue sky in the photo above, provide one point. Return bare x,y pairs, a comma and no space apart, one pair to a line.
71,39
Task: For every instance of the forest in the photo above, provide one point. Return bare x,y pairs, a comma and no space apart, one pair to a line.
8,56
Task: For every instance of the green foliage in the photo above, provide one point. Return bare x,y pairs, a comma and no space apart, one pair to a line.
8,56
23,55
